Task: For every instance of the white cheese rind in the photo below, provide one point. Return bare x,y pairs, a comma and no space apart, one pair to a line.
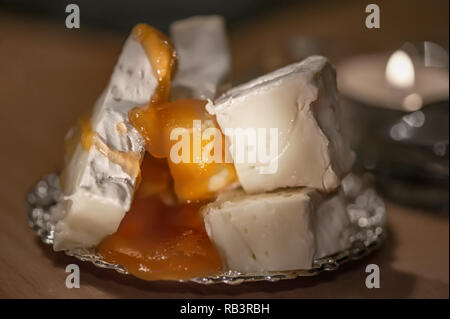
275,231
301,101
204,62
332,226
97,191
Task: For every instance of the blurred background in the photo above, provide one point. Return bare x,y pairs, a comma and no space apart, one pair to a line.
50,75
262,32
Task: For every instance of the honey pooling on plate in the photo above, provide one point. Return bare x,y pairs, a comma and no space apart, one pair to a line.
156,241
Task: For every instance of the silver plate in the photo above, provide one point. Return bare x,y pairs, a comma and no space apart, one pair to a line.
365,208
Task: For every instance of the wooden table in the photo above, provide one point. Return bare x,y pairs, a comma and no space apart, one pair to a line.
50,75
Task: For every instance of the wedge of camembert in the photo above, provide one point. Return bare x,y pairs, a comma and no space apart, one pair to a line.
278,231
300,104
101,173
100,177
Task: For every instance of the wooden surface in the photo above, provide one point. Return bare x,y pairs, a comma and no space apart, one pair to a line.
50,75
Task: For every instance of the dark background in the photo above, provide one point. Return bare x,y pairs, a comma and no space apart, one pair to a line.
122,15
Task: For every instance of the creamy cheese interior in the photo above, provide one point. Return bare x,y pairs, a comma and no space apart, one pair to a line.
277,231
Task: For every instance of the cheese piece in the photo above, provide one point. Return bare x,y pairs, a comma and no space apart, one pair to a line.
301,102
277,231
100,181
204,63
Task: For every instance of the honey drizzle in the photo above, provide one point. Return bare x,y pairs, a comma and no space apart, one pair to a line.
153,120
129,161
162,56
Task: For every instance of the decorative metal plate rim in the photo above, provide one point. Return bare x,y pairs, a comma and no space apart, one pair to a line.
328,263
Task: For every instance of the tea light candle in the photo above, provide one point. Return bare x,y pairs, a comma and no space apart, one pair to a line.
396,116
394,82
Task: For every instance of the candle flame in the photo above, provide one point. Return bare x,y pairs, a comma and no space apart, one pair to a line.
400,70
